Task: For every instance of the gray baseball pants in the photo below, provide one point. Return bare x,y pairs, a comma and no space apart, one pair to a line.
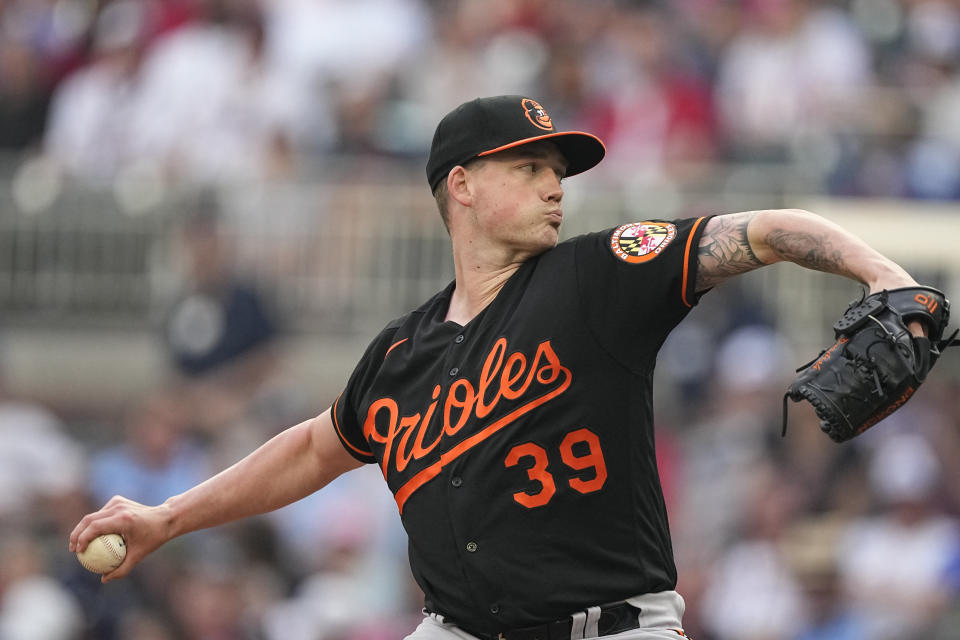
659,619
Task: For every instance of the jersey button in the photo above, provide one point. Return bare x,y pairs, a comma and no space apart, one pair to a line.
494,608
459,339
472,547
454,372
456,481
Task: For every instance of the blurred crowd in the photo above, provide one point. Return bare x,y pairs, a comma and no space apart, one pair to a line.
776,538
853,97
330,566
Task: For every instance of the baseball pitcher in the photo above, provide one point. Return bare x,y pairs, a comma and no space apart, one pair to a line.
511,414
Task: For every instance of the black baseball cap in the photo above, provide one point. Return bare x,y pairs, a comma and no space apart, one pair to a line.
487,125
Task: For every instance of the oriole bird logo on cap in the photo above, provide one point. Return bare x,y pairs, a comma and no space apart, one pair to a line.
537,114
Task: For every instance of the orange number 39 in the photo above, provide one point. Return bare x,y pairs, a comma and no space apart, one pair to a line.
592,459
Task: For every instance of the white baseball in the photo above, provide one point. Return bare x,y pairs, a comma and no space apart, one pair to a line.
104,553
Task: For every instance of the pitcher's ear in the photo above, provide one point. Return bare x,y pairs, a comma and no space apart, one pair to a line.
459,185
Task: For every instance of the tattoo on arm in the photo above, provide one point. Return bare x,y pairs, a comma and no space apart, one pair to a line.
724,250
808,250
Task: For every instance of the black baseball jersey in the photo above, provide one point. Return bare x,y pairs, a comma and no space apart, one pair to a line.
520,447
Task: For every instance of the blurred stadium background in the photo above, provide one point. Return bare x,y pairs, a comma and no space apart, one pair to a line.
207,207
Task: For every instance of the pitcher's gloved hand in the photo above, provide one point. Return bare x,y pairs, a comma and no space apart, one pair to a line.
876,364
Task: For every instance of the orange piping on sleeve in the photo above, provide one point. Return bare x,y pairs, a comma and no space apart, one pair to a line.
686,260
336,425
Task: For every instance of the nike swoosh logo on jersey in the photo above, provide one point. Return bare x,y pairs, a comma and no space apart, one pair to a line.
508,377
394,346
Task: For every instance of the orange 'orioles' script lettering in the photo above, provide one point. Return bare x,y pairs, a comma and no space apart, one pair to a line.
404,437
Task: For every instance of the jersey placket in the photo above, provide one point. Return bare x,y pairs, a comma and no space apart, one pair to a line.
470,553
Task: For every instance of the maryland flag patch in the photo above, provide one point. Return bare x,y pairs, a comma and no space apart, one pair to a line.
641,241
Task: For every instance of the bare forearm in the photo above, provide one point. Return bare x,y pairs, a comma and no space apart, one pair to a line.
813,242
281,471
290,466
741,242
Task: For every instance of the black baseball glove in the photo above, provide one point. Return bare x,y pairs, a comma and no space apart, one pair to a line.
876,364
